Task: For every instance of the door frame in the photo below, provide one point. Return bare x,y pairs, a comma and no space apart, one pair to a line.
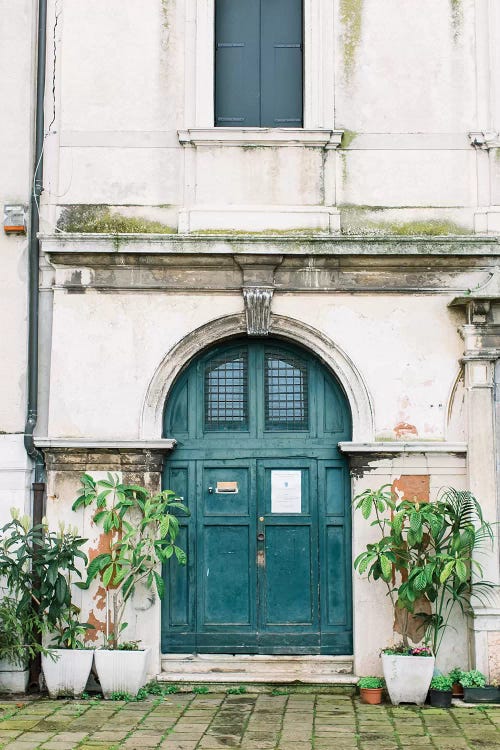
319,449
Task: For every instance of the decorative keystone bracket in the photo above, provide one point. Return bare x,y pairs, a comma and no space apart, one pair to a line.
481,333
484,140
478,302
258,309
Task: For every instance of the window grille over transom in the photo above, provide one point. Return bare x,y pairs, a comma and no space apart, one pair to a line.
226,392
286,392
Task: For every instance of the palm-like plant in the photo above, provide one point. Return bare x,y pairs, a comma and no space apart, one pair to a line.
427,551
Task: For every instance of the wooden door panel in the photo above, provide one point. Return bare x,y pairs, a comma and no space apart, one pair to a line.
288,585
227,586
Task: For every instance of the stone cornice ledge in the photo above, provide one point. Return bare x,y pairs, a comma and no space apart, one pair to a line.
271,244
167,444
319,138
392,447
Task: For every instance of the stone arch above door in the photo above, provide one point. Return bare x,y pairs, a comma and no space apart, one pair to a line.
221,329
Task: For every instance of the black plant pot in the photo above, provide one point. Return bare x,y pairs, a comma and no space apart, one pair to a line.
440,698
488,694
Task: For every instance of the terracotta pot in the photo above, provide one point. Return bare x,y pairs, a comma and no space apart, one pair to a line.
457,690
373,696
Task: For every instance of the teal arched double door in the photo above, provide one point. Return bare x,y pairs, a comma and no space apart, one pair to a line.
257,424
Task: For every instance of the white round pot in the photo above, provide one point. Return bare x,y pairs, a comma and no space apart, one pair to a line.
69,672
407,678
13,678
121,671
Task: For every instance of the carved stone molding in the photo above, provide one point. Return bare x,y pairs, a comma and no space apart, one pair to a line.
479,302
127,460
258,309
484,139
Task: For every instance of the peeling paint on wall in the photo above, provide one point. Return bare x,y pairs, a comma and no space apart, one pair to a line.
413,487
403,429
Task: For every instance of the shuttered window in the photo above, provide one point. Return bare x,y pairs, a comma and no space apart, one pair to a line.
258,63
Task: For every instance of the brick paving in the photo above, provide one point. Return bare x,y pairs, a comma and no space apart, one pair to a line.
250,721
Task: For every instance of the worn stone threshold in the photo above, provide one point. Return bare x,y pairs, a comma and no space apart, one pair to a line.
239,678
262,669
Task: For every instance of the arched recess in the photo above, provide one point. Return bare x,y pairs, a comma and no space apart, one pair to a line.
221,329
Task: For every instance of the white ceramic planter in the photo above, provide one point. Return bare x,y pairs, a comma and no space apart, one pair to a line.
121,671
407,677
68,674
13,678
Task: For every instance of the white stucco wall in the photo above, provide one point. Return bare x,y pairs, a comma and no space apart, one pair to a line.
106,348
16,63
406,82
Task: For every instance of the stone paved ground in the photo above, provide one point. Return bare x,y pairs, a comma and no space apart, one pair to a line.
185,721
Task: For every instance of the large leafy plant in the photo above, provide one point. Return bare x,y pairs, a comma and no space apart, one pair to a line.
38,568
141,531
426,555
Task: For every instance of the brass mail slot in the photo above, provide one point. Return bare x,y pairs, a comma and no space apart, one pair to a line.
226,487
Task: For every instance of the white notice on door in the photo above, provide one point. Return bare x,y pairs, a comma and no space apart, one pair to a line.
286,491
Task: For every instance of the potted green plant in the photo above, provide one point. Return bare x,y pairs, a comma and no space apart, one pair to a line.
38,565
408,672
425,555
457,689
440,692
141,530
476,690
19,643
370,689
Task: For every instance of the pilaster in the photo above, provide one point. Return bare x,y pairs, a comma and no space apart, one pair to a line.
481,336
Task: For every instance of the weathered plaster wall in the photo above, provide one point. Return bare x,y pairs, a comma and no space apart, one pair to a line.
16,63
107,347
406,82
408,358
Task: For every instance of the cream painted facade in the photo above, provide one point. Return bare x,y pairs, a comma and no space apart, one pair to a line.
372,234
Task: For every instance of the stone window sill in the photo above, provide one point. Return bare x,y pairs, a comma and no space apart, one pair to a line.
261,137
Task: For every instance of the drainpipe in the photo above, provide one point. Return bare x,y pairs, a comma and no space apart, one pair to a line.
33,268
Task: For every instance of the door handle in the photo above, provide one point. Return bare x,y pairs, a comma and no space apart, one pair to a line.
260,537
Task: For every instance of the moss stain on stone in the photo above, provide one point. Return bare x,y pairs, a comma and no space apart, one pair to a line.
351,16
101,220
260,233
354,223
347,138
456,17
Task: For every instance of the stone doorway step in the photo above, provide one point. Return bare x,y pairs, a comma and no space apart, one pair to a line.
243,668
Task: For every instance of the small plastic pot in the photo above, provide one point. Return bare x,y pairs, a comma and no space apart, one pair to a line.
440,698
487,694
373,696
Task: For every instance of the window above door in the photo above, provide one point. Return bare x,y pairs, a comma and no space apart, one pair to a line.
304,98
258,63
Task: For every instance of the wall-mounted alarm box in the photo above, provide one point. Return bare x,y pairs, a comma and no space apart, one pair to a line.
14,218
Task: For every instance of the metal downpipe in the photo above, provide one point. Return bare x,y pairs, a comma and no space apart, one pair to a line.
34,251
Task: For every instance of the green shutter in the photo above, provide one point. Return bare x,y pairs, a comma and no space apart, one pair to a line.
237,68
258,63
281,63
